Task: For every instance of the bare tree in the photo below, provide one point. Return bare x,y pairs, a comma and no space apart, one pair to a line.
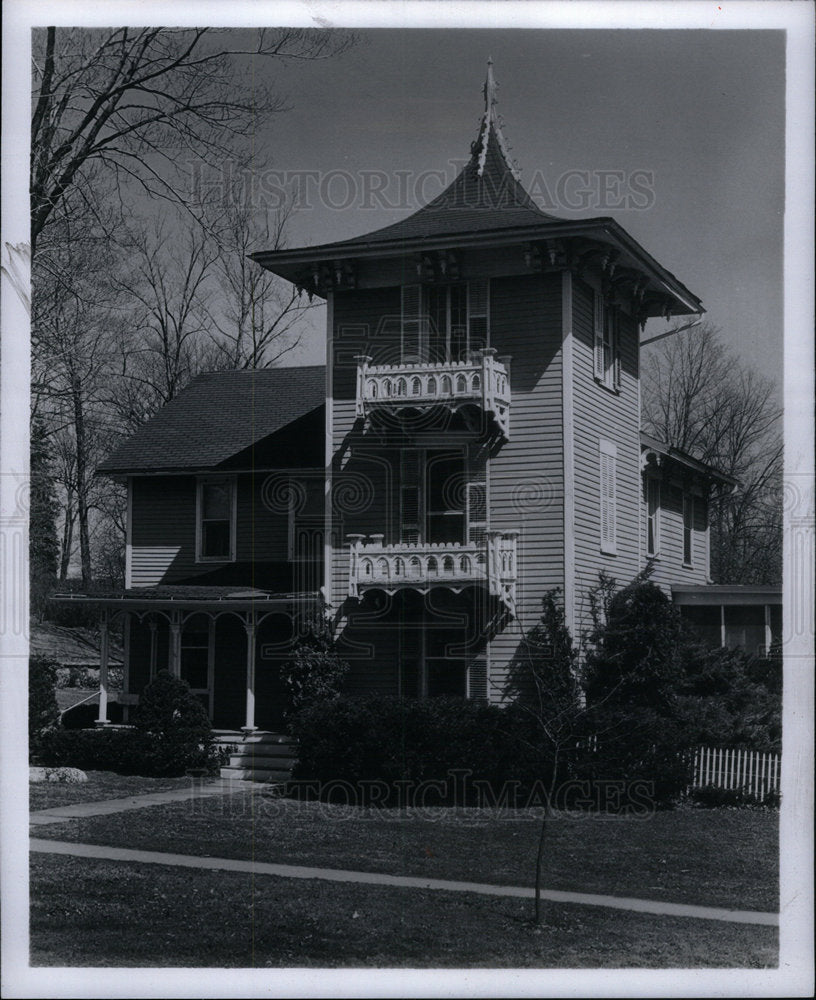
697,396
135,100
255,320
164,331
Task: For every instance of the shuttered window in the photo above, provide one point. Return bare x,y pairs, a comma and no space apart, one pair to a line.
410,486
411,322
608,497
688,528
652,516
606,363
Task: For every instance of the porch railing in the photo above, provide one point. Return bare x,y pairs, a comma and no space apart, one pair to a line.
421,566
483,381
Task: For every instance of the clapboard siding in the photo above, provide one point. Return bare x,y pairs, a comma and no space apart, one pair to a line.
667,566
364,322
164,528
526,487
601,414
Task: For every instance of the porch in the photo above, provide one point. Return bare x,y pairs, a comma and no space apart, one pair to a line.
225,643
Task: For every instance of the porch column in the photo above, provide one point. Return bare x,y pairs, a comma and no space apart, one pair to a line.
249,726
768,633
175,645
152,624
102,720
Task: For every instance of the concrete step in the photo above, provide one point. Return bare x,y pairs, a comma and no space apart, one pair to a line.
261,751
261,774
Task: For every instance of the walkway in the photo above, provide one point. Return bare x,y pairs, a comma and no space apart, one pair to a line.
58,814
399,881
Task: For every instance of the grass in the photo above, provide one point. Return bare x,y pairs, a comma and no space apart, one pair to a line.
68,697
100,785
97,913
713,857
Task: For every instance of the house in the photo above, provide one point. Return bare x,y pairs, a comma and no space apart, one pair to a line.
473,442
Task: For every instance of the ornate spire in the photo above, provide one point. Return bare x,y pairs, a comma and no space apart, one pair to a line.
490,122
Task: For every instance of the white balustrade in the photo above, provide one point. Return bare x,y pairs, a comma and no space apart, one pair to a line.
419,565
483,381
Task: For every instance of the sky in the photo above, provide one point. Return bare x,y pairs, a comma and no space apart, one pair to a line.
695,118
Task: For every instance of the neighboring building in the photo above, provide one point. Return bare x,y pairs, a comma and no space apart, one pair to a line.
473,442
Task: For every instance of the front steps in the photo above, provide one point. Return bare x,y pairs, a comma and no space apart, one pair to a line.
261,756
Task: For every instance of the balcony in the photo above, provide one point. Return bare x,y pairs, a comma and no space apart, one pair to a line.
482,381
422,566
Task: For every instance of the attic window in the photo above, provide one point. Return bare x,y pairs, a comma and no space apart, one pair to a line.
215,534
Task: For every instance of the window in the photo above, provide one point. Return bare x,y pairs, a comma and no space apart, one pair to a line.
652,516
607,347
215,541
444,322
608,497
432,496
688,528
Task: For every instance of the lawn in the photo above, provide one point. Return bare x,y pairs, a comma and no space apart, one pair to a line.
716,857
97,913
100,785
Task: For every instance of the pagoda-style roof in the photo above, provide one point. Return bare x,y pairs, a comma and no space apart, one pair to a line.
486,205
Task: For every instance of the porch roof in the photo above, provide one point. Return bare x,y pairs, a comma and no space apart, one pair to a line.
727,593
648,443
181,597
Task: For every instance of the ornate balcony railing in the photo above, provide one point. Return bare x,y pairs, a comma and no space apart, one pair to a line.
483,381
421,566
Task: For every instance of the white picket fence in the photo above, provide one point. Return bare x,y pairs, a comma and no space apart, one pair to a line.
756,773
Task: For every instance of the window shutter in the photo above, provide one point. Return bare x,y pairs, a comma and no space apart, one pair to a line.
411,315
608,498
410,496
598,326
616,354
477,310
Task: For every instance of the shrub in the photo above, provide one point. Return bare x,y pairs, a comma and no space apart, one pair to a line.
712,797
124,751
43,711
386,740
315,672
176,726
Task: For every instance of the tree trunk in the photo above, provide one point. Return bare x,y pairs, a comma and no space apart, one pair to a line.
67,539
539,861
82,486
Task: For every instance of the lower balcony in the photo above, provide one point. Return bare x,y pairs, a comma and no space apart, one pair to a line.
421,566
482,382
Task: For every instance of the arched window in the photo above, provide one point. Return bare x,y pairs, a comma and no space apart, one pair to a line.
367,567
382,567
399,567
416,387
476,383
447,564
387,387
464,564
431,386
433,566
372,388
416,566
461,383
446,384
402,387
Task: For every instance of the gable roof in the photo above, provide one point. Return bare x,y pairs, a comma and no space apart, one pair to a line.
217,416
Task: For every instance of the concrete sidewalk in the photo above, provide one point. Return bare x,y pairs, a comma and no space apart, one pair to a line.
400,881
222,786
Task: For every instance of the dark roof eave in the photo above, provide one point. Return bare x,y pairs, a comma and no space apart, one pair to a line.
284,262
124,600
648,442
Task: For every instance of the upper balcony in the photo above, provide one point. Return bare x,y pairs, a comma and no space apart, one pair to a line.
482,382
422,565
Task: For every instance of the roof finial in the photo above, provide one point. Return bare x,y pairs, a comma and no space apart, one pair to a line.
489,88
